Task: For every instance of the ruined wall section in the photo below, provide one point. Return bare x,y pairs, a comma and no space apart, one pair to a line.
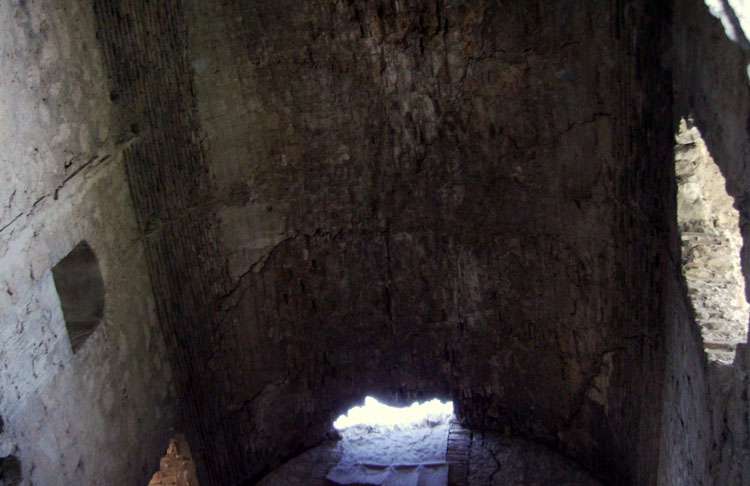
714,90
711,245
101,415
707,405
441,197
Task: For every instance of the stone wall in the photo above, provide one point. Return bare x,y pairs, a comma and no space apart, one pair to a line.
407,199
100,415
686,424
706,406
711,244
335,198
428,198
144,45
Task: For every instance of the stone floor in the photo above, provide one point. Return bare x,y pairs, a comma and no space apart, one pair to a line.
507,461
307,469
475,459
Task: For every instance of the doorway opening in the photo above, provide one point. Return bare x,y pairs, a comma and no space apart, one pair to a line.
382,444
711,245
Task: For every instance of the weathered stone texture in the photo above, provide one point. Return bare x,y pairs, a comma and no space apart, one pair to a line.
101,415
457,453
711,244
711,86
511,461
730,406
144,45
333,198
685,445
442,198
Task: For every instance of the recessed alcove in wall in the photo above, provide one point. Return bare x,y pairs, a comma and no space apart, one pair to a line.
80,286
711,245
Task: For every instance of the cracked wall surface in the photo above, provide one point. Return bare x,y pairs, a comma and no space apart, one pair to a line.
333,198
100,416
406,199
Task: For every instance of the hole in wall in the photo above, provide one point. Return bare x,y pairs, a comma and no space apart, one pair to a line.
10,471
374,414
80,287
711,244
384,443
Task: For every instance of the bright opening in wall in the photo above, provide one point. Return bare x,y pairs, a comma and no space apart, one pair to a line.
734,16
373,414
711,244
80,287
393,445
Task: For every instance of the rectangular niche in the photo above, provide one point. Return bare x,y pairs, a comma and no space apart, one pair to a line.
80,286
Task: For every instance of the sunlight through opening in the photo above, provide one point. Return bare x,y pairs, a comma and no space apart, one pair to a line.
711,246
393,444
374,413
734,16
